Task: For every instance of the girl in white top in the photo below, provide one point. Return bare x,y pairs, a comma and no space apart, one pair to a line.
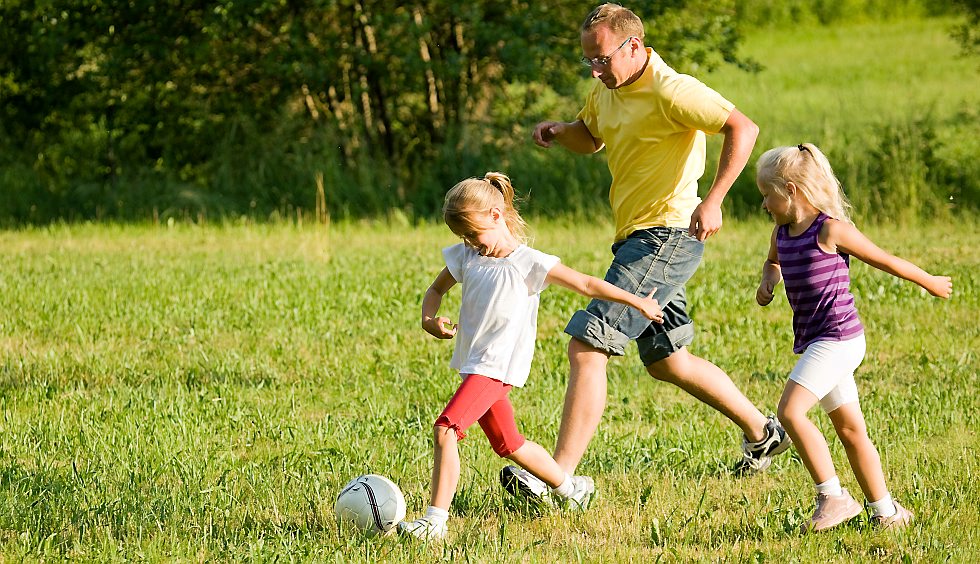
501,278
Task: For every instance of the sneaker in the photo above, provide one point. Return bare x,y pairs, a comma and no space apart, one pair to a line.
526,486
901,518
832,510
757,456
422,529
582,494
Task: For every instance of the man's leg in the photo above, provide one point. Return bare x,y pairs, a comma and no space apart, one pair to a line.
585,400
712,386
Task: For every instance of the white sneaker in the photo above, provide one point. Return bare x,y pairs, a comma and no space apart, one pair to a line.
584,490
526,486
422,529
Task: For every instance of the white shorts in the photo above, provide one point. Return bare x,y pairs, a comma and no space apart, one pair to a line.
826,368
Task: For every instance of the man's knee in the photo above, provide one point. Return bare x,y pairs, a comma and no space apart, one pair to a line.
577,347
584,355
669,369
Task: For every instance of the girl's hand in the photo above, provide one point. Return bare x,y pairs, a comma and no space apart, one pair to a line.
765,293
939,286
439,327
650,308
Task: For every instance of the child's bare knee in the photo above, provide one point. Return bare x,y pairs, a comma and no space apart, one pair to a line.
789,416
444,435
853,435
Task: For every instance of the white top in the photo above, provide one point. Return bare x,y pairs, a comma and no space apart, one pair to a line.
498,316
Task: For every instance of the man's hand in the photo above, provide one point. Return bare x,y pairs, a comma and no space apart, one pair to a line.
705,221
546,131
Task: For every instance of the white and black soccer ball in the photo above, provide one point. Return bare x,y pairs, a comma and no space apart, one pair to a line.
371,503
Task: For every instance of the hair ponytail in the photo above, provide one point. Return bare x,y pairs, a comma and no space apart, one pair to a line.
477,195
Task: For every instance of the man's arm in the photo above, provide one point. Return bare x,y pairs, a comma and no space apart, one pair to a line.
574,136
740,133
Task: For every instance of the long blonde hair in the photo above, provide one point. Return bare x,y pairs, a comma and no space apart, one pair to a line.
807,167
474,196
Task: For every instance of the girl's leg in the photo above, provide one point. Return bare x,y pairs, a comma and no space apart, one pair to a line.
536,460
810,443
500,428
445,472
472,400
848,420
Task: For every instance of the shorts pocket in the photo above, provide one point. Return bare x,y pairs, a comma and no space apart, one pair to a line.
685,258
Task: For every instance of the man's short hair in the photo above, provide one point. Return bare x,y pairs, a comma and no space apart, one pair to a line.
621,21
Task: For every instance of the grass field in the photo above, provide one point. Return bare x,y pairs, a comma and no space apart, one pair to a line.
894,105
202,393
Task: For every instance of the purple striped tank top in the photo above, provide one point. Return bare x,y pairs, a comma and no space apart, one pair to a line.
817,287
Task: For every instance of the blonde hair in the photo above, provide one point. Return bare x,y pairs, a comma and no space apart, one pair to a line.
805,166
474,196
621,21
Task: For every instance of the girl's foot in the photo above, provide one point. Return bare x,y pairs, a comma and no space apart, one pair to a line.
422,529
832,510
901,518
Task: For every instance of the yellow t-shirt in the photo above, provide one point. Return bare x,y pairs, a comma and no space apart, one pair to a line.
654,132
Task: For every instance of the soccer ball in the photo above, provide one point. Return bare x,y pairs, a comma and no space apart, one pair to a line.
371,503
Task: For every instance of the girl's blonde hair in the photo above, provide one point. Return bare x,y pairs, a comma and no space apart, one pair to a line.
807,167
474,196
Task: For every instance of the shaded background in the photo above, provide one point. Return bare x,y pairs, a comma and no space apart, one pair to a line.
144,110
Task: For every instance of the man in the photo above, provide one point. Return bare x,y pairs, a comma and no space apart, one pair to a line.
652,122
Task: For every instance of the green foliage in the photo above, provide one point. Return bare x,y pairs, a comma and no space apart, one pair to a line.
968,32
212,105
140,109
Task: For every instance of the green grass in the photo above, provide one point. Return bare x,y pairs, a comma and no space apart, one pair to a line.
202,393
893,104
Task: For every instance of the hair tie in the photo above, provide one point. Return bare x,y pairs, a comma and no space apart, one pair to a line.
802,148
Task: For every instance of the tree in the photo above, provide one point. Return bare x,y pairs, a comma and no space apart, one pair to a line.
99,96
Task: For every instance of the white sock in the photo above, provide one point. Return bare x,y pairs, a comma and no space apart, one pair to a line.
566,489
884,507
830,487
436,516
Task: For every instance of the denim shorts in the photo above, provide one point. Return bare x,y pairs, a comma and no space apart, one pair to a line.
664,258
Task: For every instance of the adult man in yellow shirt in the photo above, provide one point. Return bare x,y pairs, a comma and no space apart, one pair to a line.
652,121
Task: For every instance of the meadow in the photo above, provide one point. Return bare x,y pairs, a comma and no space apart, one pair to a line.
203,392
894,106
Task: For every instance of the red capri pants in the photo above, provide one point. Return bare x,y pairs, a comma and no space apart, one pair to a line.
485,400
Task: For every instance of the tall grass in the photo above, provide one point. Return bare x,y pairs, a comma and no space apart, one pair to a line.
891,104
202,393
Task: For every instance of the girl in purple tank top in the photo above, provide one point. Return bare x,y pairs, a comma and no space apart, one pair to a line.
810,251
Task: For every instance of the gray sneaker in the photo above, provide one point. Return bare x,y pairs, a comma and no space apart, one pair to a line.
526,486
901,518
832,510
582,494
757,456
